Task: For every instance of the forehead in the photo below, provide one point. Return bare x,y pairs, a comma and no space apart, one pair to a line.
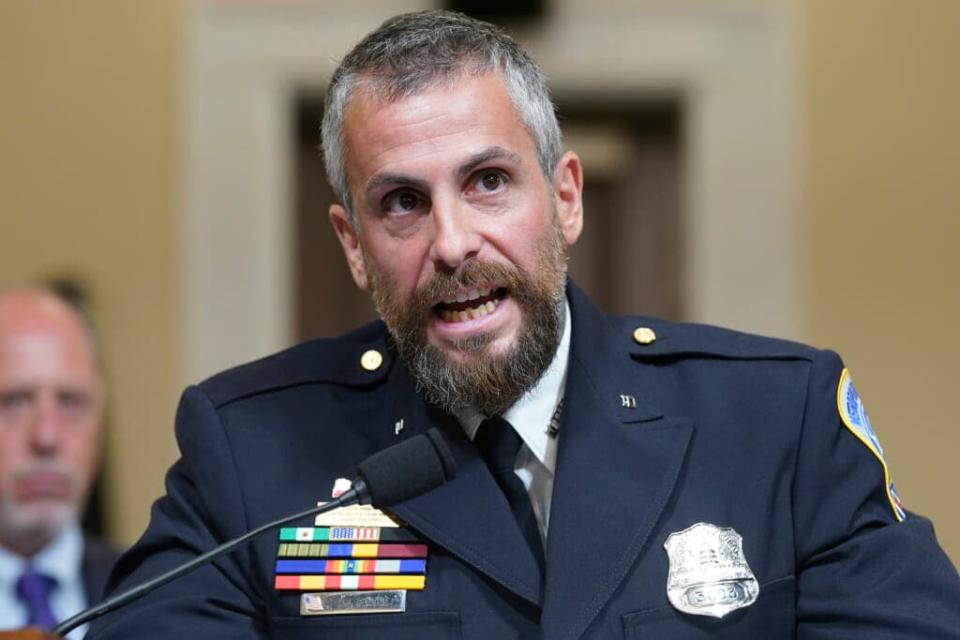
442,123
46,354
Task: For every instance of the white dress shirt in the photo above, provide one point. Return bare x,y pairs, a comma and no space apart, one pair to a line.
530,416
61,560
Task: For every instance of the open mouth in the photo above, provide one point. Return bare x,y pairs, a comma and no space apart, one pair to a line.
470,304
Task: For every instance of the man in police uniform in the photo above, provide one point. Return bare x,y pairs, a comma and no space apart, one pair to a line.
675,481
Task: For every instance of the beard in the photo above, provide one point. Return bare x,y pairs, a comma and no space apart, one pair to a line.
479,379
35,521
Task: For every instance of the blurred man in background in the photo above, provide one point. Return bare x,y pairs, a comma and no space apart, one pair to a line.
50,407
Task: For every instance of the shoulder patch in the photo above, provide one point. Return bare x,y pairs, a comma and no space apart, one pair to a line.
854,416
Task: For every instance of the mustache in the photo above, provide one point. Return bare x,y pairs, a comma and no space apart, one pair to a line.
473,274
43,468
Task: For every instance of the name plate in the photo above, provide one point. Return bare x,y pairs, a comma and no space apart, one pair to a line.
357,515
342,603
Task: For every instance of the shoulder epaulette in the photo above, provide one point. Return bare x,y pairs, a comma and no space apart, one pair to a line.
358,358
652,337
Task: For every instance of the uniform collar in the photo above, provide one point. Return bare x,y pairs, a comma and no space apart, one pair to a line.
532,413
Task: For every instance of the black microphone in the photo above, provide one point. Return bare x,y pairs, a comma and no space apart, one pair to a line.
388,477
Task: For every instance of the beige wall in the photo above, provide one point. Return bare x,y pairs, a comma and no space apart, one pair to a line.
90,167
88,170
881,214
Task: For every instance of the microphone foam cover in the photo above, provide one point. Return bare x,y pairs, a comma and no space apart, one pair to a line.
407,469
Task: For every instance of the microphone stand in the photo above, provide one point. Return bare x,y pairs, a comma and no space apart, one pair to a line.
390,476
358,493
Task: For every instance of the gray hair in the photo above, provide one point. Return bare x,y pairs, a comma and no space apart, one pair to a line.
413,51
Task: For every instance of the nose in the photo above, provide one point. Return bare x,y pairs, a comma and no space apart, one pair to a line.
456,238
45,432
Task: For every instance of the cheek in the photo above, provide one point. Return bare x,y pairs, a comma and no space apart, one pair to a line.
6,468
406,273
532,225
525,243
401,269
12,451
83,452
10,461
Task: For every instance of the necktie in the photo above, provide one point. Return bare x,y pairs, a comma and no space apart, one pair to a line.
499,444
34,590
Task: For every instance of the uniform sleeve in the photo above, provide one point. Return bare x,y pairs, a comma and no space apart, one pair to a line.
861,571
202,508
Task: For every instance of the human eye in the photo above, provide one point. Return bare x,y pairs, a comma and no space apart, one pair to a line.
13,399
489,181
15,402
73,400
401,202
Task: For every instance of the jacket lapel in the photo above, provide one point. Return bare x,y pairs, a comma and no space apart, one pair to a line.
617,465
469,515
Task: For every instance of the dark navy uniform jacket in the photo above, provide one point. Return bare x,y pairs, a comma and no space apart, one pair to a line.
727,429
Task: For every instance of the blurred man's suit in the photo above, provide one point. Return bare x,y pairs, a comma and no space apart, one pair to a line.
95,562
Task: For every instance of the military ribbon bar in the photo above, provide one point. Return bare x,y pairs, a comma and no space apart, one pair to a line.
348,582
346,534
348,550
413,565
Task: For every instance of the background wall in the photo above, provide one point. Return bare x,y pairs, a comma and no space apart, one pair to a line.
91,169
881,215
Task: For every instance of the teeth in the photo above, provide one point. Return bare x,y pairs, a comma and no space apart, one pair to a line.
469,314
466,296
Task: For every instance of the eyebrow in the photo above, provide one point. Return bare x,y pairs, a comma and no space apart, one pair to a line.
392,179
488,154
464,170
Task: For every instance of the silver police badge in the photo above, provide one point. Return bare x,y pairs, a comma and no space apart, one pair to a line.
709,575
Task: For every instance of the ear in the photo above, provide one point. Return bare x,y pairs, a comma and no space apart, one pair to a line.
568,192
350,241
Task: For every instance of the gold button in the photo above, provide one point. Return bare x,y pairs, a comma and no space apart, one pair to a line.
371,360
644,335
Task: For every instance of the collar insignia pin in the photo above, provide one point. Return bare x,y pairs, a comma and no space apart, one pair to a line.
554,427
